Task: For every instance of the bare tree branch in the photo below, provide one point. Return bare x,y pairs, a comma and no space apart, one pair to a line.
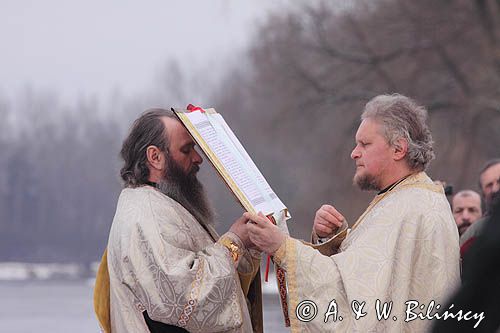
486,20
376,62
453,69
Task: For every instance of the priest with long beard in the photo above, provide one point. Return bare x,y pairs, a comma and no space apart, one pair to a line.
166,269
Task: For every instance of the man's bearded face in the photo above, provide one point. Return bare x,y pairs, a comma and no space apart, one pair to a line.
490,182
186,189
466,210
366,182
372,155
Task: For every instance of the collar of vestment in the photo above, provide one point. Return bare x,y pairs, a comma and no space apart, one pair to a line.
152,184
393,185
415,180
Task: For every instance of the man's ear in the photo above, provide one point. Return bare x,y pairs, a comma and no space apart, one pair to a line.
400,149
156,158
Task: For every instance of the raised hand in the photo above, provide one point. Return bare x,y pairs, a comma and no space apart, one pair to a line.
327,221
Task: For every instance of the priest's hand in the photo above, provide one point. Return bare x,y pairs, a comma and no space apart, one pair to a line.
327,221
266,236
240,228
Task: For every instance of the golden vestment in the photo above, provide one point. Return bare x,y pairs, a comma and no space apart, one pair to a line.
161,260
404,247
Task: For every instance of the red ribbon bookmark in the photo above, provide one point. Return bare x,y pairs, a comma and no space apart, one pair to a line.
193,108
267,267
268,262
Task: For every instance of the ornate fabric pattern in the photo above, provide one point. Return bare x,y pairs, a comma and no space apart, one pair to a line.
404,248
193,299
162,261
281,280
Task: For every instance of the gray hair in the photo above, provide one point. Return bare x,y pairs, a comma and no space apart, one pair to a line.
402,117
467,193
147,130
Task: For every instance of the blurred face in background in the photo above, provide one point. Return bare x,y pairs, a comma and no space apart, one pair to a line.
490,182
466,209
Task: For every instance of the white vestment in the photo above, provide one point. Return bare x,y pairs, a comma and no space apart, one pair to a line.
160,259
403,248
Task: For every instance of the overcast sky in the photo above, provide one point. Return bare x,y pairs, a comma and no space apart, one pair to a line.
82,48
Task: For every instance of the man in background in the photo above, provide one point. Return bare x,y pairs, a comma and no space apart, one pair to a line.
466,207
480,290
489,183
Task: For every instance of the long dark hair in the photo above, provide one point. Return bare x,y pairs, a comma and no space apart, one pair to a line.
147,130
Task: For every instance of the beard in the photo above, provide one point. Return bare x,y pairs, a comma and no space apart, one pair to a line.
366,182
494,201
186,189
463,227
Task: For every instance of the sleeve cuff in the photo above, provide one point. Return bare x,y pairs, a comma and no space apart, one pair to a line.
280,254
315,239
320,240
234,245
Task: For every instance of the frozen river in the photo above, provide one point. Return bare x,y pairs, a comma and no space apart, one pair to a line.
66,306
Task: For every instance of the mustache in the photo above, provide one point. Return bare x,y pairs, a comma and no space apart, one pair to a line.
185,188
465,224
195,169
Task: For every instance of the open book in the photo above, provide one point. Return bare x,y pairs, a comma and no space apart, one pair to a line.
233,164
212,134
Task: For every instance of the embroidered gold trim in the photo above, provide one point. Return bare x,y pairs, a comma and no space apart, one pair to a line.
291,253
280,253
234,249
193,297
415,181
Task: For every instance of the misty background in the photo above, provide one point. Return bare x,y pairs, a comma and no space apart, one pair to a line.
291,80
